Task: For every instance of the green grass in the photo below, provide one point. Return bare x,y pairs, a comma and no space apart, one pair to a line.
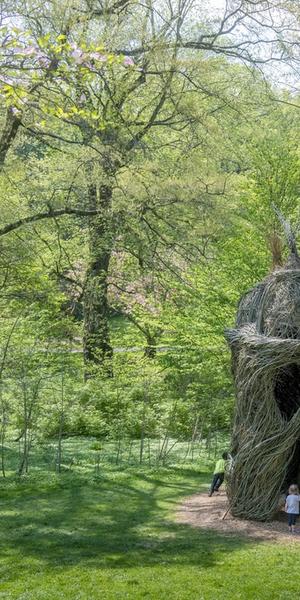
76,536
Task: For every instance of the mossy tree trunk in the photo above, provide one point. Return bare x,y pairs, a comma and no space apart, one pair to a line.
96,341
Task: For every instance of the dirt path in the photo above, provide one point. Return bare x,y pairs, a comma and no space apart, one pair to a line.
206,513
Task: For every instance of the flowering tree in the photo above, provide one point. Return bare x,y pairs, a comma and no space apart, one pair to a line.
103,82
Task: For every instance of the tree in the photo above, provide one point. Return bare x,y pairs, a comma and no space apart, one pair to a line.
106,100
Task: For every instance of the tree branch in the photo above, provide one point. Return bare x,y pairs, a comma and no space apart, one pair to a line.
50,213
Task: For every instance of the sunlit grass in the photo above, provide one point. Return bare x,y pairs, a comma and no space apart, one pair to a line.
78,535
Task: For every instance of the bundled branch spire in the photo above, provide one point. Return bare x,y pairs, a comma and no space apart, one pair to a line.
288,231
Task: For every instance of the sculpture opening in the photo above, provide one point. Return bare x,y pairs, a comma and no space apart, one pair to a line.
287,394
287,390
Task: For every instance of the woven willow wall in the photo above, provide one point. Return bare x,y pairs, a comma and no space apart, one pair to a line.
265,349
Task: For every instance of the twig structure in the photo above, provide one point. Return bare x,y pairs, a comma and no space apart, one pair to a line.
265,347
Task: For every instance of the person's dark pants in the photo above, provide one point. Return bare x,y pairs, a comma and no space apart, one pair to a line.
292,519
217,481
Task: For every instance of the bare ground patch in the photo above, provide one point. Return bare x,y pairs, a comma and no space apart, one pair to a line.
206,513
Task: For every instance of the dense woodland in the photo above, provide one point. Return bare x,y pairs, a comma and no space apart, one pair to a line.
142,146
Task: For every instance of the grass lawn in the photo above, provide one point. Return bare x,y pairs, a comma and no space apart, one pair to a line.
77,536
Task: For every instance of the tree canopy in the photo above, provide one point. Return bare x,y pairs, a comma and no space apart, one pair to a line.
142,146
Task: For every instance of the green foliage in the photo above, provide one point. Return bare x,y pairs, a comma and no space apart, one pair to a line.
193,150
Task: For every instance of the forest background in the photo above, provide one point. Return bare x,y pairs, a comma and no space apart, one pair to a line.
142,147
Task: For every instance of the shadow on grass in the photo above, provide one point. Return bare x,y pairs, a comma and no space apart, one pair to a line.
107,523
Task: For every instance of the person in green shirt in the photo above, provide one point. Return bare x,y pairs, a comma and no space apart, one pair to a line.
219,473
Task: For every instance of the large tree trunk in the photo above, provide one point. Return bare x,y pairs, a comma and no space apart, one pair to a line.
96,343
8,135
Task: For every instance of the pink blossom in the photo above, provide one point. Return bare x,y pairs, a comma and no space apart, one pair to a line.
44,61
128,61
98,56
89,66
29,51
78,56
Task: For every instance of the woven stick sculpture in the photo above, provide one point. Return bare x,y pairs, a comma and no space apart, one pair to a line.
265,349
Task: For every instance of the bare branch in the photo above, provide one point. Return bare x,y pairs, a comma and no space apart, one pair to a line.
50,213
